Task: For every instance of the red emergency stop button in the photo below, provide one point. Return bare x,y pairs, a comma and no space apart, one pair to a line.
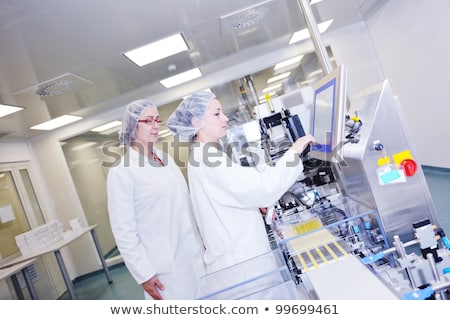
409,166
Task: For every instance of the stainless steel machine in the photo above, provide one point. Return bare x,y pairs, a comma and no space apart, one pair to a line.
360,224
384,146
363,226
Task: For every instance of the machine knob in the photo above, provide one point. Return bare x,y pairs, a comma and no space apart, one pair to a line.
378,146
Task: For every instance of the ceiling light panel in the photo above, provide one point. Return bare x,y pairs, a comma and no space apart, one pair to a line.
288,62
271,88
107,126
181,78
278,77
157,50
5,109
56,123
304,33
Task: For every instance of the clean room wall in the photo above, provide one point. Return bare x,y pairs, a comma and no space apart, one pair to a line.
64,203
411,40
14,151
353,47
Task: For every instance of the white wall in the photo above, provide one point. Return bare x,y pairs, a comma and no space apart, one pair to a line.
64,203
14,151
411,39
353,47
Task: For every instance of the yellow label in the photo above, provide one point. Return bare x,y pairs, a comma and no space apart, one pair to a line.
399,157
384,161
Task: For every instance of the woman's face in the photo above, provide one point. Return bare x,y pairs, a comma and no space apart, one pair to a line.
215,123
148,133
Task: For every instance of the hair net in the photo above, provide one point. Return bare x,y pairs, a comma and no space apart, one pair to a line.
195,105
133,111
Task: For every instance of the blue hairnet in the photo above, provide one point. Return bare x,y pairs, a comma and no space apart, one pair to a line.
195,105
133,111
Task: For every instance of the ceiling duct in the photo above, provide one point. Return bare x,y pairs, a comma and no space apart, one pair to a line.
246,18
56,86
249,18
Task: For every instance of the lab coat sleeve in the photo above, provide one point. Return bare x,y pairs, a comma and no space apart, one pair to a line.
120,190
246,187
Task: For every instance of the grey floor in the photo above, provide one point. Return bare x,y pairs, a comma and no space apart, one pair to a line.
95,286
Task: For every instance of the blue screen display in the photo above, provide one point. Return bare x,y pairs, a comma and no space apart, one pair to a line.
323,117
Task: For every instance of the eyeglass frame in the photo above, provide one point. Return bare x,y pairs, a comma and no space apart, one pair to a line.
151,121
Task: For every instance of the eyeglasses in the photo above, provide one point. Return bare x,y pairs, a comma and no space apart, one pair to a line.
151,121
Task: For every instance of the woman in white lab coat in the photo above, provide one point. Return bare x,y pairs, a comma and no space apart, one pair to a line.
150,211
225,195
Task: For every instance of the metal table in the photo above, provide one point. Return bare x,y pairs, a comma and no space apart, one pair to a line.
11,272
56,249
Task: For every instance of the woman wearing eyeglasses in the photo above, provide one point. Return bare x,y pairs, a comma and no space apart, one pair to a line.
150,211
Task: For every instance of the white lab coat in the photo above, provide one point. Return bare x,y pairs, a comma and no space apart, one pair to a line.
153,225
226,198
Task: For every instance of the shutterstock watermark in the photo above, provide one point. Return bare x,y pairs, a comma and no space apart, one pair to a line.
253,153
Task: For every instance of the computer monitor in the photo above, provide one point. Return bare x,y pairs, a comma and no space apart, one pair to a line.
328,115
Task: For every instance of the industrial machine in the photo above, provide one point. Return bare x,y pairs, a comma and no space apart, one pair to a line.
368,202
360,223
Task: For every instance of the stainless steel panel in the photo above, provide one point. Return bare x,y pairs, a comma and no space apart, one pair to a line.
399,204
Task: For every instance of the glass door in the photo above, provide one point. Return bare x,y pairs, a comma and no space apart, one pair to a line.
13,220
20,211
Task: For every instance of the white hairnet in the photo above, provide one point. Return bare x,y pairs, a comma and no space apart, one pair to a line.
133,111
195,105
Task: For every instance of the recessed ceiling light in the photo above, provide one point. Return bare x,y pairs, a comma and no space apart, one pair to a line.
107,126
315,73
288,62
5,109
164,133
157,50
278,77
181,78
274,87
56,123
84,145
304,33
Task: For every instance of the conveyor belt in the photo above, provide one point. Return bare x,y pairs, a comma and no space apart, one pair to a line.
318,256
313,250
348,279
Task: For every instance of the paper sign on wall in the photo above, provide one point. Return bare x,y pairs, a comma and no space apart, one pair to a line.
6,214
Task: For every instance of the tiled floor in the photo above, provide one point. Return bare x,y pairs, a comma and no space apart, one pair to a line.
95,286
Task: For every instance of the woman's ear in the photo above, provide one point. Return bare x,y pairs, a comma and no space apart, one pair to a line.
196,122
